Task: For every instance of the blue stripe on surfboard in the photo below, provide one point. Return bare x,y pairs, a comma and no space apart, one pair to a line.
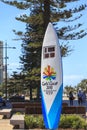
44,111
55,111
52,119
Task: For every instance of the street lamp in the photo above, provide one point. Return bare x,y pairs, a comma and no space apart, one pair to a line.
6,47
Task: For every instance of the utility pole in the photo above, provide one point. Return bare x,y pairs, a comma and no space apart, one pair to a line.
6,57
6,70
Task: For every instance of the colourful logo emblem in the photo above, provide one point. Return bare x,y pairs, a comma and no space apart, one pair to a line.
49,73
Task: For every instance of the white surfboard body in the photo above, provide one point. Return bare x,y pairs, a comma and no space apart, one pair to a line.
51,79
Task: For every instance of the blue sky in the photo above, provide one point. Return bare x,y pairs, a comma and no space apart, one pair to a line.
7,24
74,66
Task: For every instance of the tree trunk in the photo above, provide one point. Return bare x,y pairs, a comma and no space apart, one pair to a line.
46,13
30,92
38,91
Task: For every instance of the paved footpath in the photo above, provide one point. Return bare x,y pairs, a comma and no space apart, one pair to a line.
5,124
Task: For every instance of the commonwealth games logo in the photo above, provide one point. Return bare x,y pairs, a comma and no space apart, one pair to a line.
49,73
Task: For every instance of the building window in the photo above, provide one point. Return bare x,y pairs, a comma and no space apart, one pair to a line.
49,52
51,49
52,54
45,49
46,55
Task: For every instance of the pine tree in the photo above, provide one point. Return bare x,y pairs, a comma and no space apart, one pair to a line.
41,12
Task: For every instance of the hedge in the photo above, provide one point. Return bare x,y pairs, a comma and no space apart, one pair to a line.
66,121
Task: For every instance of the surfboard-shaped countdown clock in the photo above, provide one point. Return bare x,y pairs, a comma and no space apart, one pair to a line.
51,79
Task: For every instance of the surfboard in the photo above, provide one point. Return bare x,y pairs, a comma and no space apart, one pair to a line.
51,78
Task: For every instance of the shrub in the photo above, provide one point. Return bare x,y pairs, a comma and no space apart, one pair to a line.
34,121
72,121
18,113
66,121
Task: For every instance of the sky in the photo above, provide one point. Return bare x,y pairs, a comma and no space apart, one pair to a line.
74,66
7,24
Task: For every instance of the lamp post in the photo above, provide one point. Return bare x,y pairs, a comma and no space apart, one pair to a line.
6,47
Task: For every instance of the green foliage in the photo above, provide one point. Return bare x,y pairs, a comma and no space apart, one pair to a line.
34,121
18,113
1,94
72,121
16,84
67,89
66,121
20,5
82,85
